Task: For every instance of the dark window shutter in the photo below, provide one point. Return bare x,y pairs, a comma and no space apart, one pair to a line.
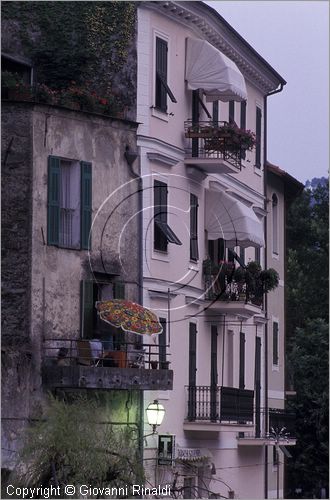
242,254
86,309
193,227
275,343
119,290
257,383
258,137
86,204
161,74
243,115
257,254
231,111
242,360
160,213
214,355
162,341
53,215
192,353
243,124
215,112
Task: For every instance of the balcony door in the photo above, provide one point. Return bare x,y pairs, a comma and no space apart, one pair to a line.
214,374
192,372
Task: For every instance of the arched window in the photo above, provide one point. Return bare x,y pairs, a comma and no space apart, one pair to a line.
275,222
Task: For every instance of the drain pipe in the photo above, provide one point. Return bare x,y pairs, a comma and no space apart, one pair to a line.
276,91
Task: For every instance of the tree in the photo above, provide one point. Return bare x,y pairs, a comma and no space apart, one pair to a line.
69,446
307,331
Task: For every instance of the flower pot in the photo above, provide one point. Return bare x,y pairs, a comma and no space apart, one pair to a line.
165,365
154,365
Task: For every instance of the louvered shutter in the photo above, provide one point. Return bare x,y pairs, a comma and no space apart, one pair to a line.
86,309
231,111
258,137
161,73
119,290
160,213
86,204
162,342
243,123
242,360
193,227
53,215
275,343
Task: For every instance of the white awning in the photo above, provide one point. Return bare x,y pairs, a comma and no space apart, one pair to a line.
230,219
208,69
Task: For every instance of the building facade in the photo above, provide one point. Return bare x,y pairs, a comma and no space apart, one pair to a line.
205,214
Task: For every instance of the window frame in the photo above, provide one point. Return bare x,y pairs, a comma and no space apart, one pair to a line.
275,225
275,344
163,234
258,136
54,205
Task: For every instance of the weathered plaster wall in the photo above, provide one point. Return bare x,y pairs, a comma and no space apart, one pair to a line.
42,282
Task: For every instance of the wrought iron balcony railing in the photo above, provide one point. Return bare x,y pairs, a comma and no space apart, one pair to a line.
110,354
215,140
219,404
222,287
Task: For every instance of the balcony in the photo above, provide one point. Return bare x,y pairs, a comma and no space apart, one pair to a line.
91,364
281,421
229,295
209,406
216,147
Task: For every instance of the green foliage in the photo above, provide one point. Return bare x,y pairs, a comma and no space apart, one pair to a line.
308,359
10,80
75,41
307,363
69,446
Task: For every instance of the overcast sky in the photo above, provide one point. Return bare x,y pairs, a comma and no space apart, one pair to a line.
293,36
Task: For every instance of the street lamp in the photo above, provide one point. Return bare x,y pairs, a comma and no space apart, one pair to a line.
155,414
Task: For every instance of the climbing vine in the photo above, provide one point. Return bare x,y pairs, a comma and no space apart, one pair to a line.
84,42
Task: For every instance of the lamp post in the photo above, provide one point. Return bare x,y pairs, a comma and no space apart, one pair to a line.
155,414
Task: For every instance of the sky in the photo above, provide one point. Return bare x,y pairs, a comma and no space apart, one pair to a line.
293,37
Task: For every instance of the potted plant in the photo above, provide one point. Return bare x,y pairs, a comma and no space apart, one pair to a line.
154,364
269,279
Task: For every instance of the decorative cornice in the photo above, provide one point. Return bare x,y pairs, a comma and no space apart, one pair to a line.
213,28
162,159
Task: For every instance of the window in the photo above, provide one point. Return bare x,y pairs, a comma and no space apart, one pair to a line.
275,343
163,234
90,292
193,227
243,123
275,223
258,138
162,89
69,203
217,250
231,111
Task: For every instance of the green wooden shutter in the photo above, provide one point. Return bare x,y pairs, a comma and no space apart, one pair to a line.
242,360
119,290
214,355
231,111
215,113
257,384
275,343
193,227
192,353
258,137
162,342
86,204
160,213
86,309
243,124
161,73
53,213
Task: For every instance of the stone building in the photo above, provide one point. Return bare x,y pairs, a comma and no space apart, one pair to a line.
70,225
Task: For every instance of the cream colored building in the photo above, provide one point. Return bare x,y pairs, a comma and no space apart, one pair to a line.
201,201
